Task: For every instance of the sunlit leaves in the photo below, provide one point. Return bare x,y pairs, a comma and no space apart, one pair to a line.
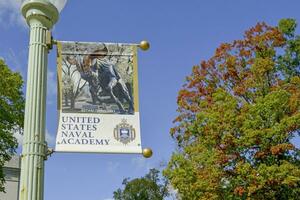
11,113
238,112
149,187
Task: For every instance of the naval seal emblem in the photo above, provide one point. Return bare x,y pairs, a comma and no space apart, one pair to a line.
124,132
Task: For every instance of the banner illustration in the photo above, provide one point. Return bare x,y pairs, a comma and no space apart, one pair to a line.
98,98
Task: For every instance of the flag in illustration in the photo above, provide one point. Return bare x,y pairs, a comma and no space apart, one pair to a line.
98,98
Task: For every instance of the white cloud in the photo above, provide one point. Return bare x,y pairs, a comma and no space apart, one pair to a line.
10,13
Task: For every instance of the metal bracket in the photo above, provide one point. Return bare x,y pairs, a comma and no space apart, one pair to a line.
49,152
49,39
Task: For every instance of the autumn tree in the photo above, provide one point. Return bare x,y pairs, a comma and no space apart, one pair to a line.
11,114
238,112
149,187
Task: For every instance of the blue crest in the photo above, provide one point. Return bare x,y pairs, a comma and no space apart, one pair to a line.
124,132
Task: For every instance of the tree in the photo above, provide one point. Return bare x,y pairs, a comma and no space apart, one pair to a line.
71,89
238,112
149,187
11,114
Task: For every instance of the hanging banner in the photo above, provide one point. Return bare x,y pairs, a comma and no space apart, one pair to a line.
98,98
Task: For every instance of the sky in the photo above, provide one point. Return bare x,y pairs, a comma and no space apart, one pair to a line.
181,34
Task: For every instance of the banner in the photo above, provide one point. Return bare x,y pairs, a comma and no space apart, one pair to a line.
98,98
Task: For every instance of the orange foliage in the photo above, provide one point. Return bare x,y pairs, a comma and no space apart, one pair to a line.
281,148
239,191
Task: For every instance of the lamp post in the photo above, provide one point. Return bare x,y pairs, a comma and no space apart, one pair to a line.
40,15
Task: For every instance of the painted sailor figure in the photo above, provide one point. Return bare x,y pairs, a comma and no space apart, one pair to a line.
108,78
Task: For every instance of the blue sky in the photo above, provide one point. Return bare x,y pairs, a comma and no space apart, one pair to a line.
181,33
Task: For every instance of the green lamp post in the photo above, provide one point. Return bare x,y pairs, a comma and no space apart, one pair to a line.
40,15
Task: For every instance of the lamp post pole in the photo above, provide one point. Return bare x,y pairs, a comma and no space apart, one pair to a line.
40,15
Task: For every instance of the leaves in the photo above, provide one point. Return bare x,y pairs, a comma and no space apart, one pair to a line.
11,114
149,187
238,112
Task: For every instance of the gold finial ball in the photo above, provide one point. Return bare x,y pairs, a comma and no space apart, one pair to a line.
144,45
147,152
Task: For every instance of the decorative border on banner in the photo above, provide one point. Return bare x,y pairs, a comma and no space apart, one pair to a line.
135,80
59,75
140,151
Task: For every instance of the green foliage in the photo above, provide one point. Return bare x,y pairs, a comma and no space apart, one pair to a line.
11,114
287,26
238,112
149,187
289,62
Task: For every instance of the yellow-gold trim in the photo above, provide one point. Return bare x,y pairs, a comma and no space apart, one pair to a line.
135,80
